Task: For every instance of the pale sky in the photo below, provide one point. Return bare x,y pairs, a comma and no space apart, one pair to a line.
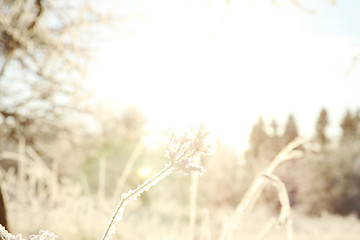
190,62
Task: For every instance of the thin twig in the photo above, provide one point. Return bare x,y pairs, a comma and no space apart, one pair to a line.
257,186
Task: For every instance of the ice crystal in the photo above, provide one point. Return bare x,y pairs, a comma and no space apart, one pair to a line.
43,235
8,236
184,149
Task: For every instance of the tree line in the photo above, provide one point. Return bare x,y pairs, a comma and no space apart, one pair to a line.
327,178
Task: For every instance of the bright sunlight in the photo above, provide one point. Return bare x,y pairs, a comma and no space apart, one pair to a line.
223,119
222,65
144,172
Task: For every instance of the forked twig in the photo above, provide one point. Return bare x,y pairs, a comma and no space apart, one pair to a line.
256,187
285,212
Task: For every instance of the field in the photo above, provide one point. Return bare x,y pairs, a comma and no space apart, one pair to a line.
92,93
36,198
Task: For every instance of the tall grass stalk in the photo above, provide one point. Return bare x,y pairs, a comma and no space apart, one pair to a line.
125,174
205,225
193,197
102,180
256,187
22,159
184,150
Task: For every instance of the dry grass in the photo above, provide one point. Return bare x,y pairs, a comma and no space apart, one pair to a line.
256,188
34,194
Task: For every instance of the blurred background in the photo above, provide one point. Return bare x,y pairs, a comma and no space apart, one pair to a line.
89,89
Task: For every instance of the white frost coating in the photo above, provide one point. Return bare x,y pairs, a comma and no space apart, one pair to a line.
43,235
8,236
133,195
183,150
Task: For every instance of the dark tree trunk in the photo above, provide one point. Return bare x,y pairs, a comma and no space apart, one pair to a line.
2,211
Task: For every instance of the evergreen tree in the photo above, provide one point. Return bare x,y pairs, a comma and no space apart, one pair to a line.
291,130
275,140
257,137
357,122
274,127
349,127
321,126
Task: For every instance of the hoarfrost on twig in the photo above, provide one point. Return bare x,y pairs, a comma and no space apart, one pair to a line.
43,235
184,149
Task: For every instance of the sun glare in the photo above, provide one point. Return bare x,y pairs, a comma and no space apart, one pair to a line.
221,66
144,172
